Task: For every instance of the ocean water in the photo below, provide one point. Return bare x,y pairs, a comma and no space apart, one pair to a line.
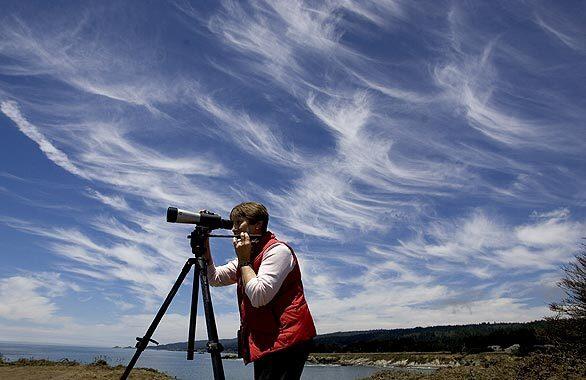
173,363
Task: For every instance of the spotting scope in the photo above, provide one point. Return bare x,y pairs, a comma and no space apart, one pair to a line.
205,219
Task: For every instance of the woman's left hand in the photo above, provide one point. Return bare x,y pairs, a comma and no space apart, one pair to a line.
242,247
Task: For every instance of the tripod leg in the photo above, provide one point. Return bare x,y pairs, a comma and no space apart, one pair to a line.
214,347
193,315
144,341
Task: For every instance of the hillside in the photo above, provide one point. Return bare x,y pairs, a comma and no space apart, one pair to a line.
459,338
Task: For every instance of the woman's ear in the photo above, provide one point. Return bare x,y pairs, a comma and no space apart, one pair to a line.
257,227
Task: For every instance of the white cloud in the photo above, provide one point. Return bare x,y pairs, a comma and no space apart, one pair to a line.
146,260
393,92
115,201
469,81
345,118
137,264
381,13
495,310
561,213
527,259
30,297
480,240
552,232
324,204
21,301
253,136
387,290
29,300
422,281
122,305
173,328
562,29
98,65
101,152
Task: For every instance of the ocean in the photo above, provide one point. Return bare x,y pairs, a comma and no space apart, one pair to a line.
173,363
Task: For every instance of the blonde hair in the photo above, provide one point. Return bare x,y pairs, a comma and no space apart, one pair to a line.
252,212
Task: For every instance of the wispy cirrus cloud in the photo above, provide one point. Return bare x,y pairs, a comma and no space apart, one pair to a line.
563,30
372,136
103,153
426,273
11,110
480,240
96,66
362,153
470,82
252,136
114,201
146,266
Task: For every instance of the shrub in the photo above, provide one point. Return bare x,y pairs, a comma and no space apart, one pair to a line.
568,328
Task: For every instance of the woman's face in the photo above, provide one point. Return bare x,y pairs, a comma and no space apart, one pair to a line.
242,225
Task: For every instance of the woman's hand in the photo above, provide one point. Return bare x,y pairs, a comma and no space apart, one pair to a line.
242,247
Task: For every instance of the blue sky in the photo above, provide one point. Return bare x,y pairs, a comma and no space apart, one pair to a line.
425,159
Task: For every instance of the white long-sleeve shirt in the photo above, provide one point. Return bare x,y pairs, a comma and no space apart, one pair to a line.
276,264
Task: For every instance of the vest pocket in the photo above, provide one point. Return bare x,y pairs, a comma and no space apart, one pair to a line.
264,340
262,320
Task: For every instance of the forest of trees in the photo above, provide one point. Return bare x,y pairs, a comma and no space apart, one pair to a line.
467,338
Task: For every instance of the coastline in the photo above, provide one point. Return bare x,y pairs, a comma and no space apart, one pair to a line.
407,360
425,361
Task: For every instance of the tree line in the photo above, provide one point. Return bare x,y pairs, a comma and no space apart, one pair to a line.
464,338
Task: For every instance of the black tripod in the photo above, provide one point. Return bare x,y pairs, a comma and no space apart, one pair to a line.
198,240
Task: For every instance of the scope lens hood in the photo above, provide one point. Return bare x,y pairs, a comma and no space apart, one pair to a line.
172,213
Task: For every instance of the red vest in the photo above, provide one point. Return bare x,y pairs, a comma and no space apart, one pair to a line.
281,323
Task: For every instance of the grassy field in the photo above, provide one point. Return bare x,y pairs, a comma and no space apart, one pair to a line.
69,370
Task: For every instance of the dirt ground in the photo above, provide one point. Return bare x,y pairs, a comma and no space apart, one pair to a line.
43,370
